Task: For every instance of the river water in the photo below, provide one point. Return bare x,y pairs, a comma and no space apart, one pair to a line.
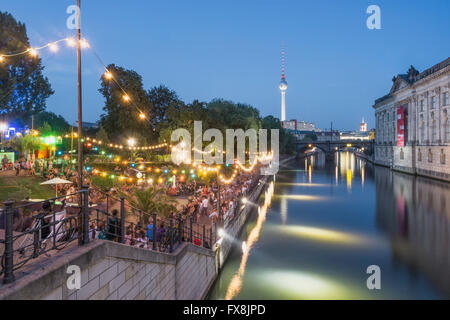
328,222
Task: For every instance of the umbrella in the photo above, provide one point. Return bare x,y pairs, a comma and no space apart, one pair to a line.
56,181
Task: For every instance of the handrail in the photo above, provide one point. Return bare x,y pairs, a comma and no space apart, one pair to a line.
50,232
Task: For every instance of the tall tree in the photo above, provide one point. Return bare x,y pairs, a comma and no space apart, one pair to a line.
166,106
287,140
23,88
223,114
121,118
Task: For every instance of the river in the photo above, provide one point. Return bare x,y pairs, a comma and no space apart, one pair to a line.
329,221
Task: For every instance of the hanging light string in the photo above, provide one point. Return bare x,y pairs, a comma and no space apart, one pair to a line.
108,75
53,46
118,146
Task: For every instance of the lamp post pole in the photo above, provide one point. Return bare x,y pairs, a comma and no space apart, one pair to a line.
80,106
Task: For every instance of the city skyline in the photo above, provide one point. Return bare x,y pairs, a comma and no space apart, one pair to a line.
335,63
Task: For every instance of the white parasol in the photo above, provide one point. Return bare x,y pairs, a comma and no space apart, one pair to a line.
56,181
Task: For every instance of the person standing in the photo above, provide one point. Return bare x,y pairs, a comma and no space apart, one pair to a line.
204,206
5,163
17,167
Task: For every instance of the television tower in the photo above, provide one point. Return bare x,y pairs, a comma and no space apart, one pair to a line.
283,87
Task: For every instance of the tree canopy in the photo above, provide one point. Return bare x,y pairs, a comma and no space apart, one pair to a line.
23,88
121,118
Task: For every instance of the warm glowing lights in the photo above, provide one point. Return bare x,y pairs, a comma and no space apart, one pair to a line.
131,142
142,116
126,98
2,58
301,197
33,52
84,44
71,42
322,234
236,282
302,285
108,75
53,47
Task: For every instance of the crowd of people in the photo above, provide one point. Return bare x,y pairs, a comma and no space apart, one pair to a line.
201,207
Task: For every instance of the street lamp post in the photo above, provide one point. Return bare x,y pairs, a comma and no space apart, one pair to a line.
80,106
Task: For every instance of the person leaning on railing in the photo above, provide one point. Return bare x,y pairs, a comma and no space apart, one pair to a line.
112,226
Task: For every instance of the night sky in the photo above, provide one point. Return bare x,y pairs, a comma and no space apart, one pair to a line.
231,49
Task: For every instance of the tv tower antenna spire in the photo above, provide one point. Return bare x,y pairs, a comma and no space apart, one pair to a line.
283,86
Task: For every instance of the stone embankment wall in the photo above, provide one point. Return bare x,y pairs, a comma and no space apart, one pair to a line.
112,271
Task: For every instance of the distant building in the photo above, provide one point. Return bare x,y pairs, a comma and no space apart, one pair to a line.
87,125
356,135
325,136
300,126
413,125
363,126
289,125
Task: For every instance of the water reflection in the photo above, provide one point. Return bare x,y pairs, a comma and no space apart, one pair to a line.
415,214
236,282
330,221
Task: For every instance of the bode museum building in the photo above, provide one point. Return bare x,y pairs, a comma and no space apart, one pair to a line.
412,123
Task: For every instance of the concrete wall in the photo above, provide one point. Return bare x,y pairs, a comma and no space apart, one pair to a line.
111,271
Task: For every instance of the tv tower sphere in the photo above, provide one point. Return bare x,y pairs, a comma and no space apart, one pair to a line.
283,85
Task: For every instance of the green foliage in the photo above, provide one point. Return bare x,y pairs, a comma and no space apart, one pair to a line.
120,120
287,140
102,135
58,125
23,88
151,200
104,184
24,144
45,129
223,114
166,113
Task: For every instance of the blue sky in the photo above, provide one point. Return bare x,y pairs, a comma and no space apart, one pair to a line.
230,49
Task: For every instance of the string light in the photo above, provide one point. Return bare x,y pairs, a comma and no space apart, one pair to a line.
142,116
131,142
84,44
33,52
71,42
54,47
2,58
126,98
108,75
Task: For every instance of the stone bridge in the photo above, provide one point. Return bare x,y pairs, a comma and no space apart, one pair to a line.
330,147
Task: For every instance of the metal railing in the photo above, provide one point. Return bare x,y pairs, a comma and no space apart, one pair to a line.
59,224
53,228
